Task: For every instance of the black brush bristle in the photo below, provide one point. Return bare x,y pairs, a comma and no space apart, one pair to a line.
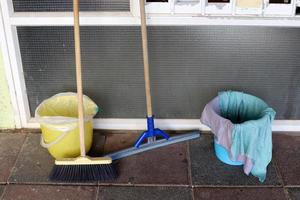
83,173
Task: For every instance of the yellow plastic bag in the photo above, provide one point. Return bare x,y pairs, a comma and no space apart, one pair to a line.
58,118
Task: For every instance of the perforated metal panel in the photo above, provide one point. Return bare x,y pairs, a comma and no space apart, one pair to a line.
189,65
66,5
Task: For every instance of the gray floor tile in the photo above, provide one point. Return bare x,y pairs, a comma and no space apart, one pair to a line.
97,148
166,165
119,141
287,155
10,145
47,192
2,187
208,170
34,163
145,193
294,193
239,193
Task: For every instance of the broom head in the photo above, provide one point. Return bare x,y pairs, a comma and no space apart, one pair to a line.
83,169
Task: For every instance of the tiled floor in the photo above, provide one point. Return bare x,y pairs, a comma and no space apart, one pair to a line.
187,170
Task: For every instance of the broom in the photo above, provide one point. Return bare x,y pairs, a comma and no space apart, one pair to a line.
82,168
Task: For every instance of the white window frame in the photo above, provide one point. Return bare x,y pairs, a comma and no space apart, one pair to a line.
193,15
177,15
159,7
280,9
219,8
183,8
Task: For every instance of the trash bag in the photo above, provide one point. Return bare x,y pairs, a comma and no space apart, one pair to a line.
58,118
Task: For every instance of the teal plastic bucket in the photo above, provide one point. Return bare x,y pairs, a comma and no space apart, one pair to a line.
223,156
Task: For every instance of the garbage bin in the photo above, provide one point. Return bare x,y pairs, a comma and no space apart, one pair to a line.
58,118
241,124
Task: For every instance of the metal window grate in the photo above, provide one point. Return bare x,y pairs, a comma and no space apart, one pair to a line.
66,5
189,65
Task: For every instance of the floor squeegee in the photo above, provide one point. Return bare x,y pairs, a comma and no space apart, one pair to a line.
151,133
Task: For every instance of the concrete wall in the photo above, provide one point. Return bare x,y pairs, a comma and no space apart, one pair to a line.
6,110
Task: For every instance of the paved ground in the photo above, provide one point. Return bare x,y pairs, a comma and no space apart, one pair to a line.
188,170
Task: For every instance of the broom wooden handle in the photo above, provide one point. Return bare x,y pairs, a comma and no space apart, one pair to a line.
146,58
79,76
